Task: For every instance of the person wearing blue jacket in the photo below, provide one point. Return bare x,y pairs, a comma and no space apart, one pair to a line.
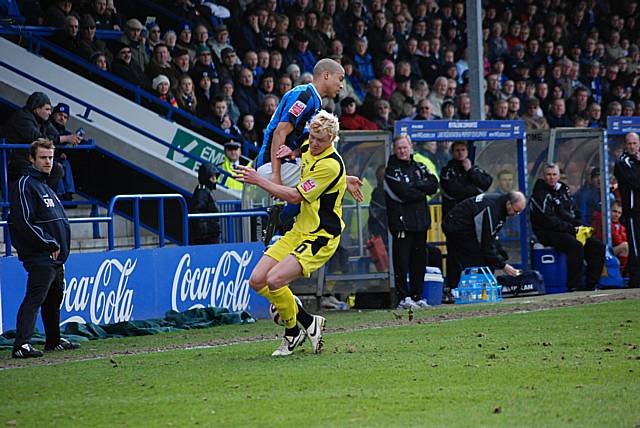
41,235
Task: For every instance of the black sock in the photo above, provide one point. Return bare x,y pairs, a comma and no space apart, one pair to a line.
304,317
292,332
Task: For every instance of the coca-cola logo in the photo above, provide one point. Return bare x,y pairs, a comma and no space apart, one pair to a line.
224,285
105,294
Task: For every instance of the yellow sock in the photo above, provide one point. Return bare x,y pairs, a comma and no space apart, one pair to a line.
282,299
265,292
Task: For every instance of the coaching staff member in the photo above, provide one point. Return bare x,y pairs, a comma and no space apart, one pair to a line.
40,231
627,172
407,184
472,232
555,222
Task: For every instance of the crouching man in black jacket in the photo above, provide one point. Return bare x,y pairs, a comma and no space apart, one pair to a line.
407,184
555,223
40,232
472,232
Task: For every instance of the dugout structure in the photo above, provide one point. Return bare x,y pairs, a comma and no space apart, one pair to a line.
351,270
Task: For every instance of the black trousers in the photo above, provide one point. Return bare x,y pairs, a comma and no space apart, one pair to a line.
409,256
633,237
592,253
463,251
434,256
45,289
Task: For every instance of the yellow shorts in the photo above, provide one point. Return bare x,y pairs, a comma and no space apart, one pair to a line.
311,251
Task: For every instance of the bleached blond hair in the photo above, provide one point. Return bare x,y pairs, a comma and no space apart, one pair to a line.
324,121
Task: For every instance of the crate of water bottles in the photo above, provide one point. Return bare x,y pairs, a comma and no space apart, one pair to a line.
477,285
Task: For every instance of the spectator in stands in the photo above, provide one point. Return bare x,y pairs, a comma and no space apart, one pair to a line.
579,103
200,36
231,160
500,110
27,125
184,40
105,18
464,107
448,109
41,235
153,37
407,184
425,111
206,230
363,61
252,36
351,120
251,135
99,59
204,62
124,67
555,223
88,44
221,42
161,64
614,108
267,85
230,67
532,118
402,93
618,234
66,186
232,107
180,61
594,115
161,86
268,106
472,229
382,117
67,39
204,93
133,38
170,39
460,179
58,12
246,94
557,117
388,79
351,85
302,55
628,108
185,95
374,93
514,108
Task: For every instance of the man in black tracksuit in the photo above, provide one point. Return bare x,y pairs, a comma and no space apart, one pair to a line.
206,230
407,184
459,180
40,232
627,172
472,232
555,223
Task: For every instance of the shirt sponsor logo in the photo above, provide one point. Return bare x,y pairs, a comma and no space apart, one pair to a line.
308,185
297,108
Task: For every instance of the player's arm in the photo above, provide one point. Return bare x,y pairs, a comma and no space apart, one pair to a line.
279,137
249,175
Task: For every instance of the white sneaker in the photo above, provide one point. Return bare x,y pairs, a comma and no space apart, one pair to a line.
408,303
288,344
314,333
423,303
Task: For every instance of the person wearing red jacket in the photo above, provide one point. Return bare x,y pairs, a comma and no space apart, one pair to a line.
352,121
618,234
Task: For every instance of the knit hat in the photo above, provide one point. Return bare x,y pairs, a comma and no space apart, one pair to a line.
628,104
202,48
87,21
160,78
37,100
62,108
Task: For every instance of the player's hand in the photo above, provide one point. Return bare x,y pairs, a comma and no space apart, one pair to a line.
285,152
246,174
354,185
55,254
510,270
466,164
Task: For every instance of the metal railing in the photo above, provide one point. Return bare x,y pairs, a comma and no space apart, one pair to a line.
161,198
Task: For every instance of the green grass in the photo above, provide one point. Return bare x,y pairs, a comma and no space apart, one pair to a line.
569,366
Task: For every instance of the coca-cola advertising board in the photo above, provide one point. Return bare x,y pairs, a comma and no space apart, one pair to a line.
115,286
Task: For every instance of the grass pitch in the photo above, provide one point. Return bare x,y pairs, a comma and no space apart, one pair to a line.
564,366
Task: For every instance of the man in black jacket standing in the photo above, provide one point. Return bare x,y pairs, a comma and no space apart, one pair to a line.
40,231
459,180
206,230
627,172
555,223
407,184
472,229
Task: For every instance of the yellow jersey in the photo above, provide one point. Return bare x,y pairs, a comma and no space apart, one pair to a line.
323,183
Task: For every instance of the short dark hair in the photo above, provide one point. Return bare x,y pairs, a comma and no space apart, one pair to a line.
40,143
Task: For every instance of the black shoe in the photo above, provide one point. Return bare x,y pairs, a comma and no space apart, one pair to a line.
63,345
447,297
274,223
26,351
